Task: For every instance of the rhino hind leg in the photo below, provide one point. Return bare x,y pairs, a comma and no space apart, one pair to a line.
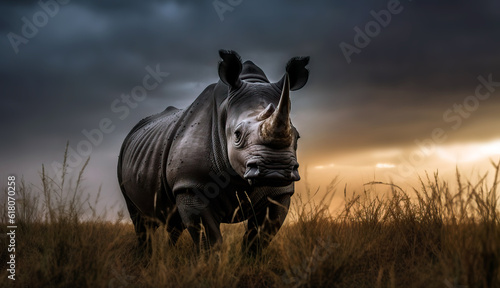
143,226
144,229
199,221
264,224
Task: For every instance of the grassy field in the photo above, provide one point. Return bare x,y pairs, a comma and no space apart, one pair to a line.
434,236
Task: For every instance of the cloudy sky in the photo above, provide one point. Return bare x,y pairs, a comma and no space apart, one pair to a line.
395,87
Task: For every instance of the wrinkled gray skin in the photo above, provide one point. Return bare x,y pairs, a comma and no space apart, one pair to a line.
228,157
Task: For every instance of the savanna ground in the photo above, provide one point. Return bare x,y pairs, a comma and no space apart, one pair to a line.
433,236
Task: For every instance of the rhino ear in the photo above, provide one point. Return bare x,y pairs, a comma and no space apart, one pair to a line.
297,72
230,68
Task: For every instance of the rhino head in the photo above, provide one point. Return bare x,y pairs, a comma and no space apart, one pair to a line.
261,140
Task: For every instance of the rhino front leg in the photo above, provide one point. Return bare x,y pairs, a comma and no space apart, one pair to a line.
264,224
199,220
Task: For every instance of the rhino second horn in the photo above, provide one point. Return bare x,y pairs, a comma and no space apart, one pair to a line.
266,113
276,130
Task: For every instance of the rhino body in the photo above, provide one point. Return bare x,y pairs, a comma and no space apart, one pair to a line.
228,157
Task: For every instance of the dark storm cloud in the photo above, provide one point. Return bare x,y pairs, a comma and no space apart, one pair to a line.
396,89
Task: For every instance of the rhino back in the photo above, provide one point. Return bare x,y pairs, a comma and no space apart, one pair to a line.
141,161
171,151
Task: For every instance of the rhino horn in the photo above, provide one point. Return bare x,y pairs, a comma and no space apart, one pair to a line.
276,129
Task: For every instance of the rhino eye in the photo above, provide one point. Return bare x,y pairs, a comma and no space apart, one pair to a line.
237,136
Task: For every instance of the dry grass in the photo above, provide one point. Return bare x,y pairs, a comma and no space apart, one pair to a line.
433,236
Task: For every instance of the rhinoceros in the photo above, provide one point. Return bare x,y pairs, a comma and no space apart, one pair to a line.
228,157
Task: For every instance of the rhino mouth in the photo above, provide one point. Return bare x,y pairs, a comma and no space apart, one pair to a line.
261,173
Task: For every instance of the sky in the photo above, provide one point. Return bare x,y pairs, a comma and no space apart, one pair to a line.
396,88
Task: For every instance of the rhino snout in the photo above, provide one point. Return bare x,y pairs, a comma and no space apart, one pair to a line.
273,174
